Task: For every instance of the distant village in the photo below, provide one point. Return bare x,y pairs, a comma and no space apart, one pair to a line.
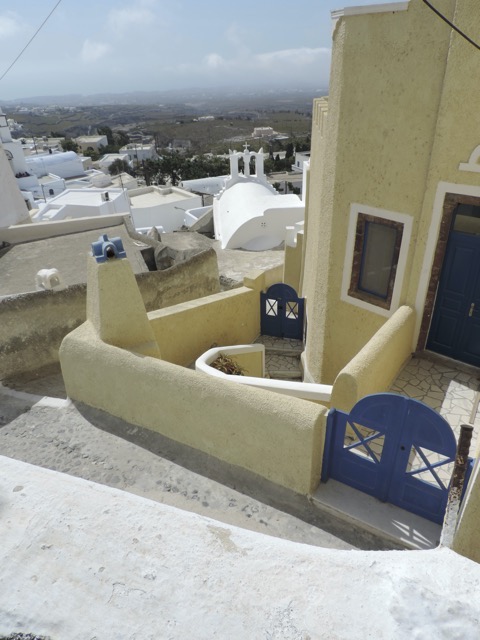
93,175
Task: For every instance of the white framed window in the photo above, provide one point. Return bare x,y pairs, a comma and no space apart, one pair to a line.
375,259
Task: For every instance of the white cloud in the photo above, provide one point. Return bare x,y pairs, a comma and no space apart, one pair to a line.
292,57
9,25
276,62
93,51
235,36
215,61
121,20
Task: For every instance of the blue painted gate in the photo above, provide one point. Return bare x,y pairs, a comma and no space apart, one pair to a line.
394,448
281,312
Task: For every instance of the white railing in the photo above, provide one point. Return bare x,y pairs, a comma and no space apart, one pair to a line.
304,390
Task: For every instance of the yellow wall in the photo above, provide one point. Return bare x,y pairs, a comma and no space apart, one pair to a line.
292,267
251,363
105,364
378,363
185,331
261,280
277,437
120,320
400,120
466,537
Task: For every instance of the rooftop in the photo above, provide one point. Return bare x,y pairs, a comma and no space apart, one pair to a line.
152,196
84,197
20,263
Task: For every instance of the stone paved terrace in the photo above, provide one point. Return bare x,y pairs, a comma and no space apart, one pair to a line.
452,389
448,386
282,357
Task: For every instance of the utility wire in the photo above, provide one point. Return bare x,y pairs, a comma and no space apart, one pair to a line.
30,41
445,19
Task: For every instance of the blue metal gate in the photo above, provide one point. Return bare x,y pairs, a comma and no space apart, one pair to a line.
281,312
394,448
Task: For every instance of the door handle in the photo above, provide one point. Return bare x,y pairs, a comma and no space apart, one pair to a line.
472,307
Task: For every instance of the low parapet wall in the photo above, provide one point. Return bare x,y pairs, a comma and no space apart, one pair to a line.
277,437
107,363
466,535
33,325
50,229
375,367
253,356
185,331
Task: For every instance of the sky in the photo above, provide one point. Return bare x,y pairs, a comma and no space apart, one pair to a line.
117,46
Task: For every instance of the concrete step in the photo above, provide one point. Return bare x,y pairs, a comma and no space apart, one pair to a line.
283,351
284,375
380,518
279,361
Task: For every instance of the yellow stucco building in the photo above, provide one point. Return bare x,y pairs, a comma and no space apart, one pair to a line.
395,150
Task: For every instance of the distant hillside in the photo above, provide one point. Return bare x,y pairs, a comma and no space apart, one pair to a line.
260,96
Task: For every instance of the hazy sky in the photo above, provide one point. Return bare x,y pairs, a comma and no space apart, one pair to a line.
93,46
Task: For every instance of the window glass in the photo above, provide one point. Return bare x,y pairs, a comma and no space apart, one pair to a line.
378,258
467,219
376,252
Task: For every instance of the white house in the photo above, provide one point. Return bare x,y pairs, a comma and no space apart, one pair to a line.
249,213
84,203
301,157
161,207
108,159
138,152
263,132
94,142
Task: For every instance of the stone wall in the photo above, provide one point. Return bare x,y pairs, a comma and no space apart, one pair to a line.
32,325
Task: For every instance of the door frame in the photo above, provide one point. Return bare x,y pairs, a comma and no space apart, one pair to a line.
449,205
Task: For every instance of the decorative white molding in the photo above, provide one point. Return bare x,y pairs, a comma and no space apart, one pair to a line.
304,390
387,7
403,218
390,7
473,163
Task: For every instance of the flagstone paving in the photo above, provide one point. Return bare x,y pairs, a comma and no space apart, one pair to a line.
449,387
282,357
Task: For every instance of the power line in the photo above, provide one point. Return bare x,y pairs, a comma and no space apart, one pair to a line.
455,28
30,41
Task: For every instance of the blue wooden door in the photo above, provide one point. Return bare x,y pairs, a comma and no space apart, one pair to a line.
395,449
281,312
455,328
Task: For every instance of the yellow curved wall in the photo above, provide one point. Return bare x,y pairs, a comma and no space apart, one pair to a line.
277,437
